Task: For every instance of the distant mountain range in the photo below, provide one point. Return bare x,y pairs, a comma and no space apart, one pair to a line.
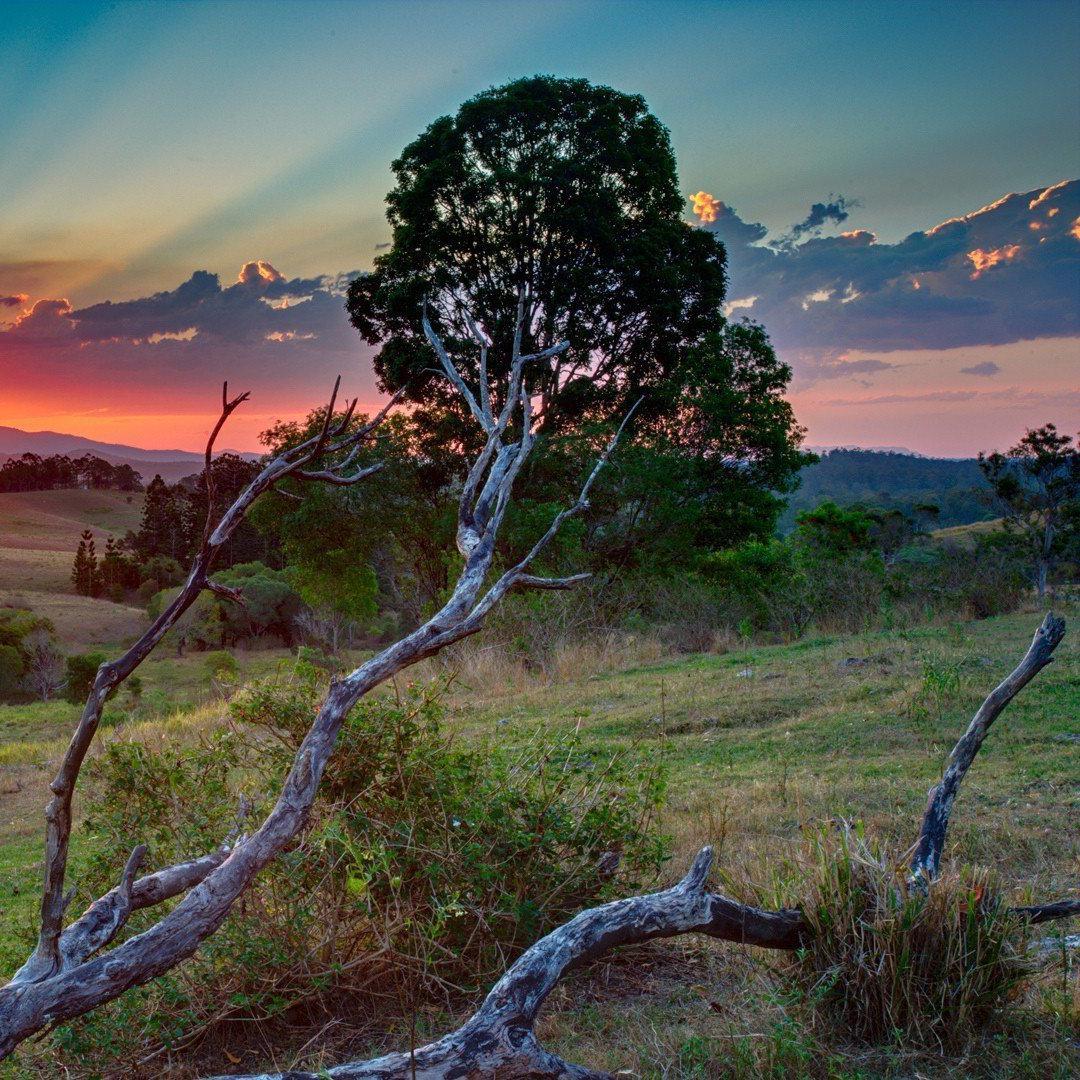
170,464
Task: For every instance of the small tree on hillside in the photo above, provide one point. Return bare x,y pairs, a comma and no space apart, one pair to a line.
43,665
1036,484
85,575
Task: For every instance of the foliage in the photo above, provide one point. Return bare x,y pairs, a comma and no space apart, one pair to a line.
85,575
1036,484
27,654
568,192
269,607
174,516
426,863
32,472
81,670
893,481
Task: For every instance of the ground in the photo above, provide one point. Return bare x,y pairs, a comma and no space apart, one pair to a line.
760,744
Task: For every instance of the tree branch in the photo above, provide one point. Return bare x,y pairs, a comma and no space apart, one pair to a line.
935,823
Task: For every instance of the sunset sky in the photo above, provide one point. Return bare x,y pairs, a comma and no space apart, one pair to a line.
186,187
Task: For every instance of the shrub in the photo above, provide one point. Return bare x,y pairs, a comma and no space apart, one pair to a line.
425,865
221,665
885,962
81,670
11,670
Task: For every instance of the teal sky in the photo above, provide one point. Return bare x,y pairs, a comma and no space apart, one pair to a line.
143,141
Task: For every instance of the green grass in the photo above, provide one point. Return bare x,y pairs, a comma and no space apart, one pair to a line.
754,760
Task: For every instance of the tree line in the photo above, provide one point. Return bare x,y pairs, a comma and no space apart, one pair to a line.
32,472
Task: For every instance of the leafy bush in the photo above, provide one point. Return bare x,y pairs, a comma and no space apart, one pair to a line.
11,670
81,671
221,664
425,865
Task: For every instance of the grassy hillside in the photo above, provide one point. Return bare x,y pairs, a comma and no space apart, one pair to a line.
760,744
39,531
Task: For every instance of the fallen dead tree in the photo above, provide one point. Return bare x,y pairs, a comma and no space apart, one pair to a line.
499,1041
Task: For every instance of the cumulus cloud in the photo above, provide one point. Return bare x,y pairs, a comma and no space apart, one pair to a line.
984,278
262,305
985,369
48,321
15,300
277,334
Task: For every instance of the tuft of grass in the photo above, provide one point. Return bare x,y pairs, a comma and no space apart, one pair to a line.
889,964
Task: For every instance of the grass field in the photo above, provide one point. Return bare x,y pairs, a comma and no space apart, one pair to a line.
39,531
760,744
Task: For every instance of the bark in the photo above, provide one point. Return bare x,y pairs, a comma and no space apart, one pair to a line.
63,978
498,1039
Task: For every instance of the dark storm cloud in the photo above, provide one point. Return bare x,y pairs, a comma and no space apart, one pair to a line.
1005,273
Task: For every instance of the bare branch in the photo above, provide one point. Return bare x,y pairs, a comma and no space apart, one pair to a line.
452,372
531,581
935,823
498,1039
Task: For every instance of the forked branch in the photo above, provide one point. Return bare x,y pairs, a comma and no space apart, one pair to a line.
68,973
499,1040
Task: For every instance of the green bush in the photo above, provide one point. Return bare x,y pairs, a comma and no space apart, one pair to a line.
426,863
82,669
11,671
221,665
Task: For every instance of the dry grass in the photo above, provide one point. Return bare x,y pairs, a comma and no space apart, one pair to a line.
763,745
39,531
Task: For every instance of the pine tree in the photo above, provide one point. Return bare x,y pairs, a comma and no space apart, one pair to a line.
80,572
93,572
161,526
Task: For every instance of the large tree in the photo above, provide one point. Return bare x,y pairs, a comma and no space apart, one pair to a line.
564,196
1036,485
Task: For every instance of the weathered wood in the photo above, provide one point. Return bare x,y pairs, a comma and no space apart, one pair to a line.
76,968
498,1040
926,859
63,978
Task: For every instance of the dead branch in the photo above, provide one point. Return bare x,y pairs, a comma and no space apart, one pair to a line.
498,1040
68,974
935,823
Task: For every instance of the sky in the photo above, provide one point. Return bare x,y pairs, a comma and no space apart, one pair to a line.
186,187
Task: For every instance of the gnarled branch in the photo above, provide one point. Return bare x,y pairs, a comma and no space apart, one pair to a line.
64,978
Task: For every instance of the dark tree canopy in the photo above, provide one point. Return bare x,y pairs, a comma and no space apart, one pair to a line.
564,190
566,194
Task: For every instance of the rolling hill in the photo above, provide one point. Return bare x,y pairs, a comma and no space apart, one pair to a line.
892,479
39,531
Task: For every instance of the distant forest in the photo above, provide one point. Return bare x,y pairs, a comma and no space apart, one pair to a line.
892,481
876,478
32,472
